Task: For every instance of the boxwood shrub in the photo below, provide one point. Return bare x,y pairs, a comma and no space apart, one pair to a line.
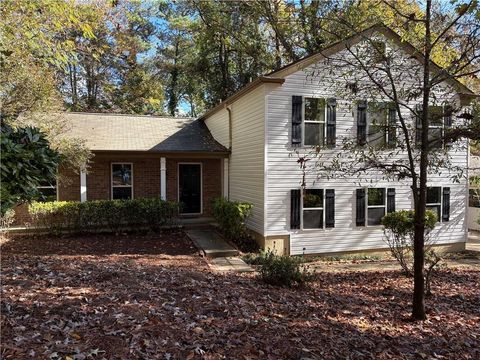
231,216
101,215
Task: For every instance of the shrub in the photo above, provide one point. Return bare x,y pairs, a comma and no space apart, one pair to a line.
399,230
231,216
90,216
6,220
283,270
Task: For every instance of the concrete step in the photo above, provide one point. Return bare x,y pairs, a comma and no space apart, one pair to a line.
210,243
234,264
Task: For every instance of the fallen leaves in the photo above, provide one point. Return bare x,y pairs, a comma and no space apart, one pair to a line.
153,297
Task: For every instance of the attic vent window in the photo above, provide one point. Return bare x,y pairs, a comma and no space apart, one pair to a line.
379,51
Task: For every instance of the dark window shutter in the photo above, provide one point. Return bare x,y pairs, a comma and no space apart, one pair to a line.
360,207
392,127
331,122
446,204
390,200
418,126
295,208
330,208
296,120
447,121
362,123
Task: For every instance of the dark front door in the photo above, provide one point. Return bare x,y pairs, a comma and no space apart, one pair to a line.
190,188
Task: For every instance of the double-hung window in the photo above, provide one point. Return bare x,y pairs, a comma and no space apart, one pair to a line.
122,181
376,205
376,124
314,115
312,210
48,191
440,118
434,200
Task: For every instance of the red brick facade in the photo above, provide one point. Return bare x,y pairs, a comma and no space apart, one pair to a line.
146,180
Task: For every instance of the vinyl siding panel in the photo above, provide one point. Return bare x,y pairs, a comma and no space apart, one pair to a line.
283,174
218,126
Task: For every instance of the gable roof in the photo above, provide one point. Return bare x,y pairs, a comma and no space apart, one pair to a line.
114,132
278,76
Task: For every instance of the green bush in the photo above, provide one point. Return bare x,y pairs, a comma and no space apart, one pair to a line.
231,216
283,270
91,216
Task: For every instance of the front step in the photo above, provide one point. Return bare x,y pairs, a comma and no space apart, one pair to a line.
210,243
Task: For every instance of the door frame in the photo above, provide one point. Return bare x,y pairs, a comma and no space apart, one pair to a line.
201,185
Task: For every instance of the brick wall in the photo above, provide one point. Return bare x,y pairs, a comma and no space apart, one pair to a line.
211,179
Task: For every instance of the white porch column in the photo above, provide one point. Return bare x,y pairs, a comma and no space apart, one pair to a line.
163,178
83,185
225,178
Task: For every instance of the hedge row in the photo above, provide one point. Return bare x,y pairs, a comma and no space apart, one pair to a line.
101,215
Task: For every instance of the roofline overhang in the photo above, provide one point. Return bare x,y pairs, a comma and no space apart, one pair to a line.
246,89
177,153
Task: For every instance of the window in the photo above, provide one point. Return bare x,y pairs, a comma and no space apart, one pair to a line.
313,205
434,201
314,122
378,51
474,198
122,181
440,118
377,125
376,205
48,191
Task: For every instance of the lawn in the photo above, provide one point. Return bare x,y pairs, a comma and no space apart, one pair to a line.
152,296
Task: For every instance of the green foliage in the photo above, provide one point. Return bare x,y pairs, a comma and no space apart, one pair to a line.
26,160
6,220
402,223
231,216
113,215
283,270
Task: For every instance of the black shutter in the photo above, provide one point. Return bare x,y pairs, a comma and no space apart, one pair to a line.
418,126
361,207
295,208
296,120
446,204
331,122
447,122
392,127
390,200
330,208
362,123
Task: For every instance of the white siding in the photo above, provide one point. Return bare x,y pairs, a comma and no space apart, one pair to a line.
218,126
283,174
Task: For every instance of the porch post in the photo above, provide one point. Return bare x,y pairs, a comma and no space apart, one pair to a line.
163,178
225,178
83,185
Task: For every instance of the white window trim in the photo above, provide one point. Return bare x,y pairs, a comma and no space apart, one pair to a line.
440,219
324,122
315,208
384,206
51,187
111,178
201,185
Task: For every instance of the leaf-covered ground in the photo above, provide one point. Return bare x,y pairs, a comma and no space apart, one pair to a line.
153,297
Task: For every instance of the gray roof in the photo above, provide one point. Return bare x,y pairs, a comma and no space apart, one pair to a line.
115,132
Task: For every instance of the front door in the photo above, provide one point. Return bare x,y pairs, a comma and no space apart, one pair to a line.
190,188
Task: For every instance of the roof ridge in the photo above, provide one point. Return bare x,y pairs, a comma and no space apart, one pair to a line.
130,115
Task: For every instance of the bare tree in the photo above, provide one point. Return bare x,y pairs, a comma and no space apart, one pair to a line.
413,94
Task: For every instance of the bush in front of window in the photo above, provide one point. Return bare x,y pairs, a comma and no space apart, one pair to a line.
399,230
283,270
101,215
231,217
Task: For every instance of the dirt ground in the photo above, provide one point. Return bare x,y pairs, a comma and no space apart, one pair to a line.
153,297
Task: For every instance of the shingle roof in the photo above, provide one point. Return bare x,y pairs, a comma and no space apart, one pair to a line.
114,132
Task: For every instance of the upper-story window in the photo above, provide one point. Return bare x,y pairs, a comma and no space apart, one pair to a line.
376,124
314,122
440,119
378,50
122,181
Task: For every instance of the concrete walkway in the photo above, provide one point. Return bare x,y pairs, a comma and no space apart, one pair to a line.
235,264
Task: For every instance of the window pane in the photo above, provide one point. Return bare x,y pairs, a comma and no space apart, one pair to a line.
435,115
122,174
474,198
376,196
377,121
375,216
313,198
122,192
435,138
434,195
48,193
313,219
436,209
314,109
314,134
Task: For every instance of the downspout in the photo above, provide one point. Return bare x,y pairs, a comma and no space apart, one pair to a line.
230,141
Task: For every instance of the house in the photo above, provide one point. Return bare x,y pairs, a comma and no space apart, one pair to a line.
241,149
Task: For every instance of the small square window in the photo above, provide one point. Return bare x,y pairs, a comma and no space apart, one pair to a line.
378,51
